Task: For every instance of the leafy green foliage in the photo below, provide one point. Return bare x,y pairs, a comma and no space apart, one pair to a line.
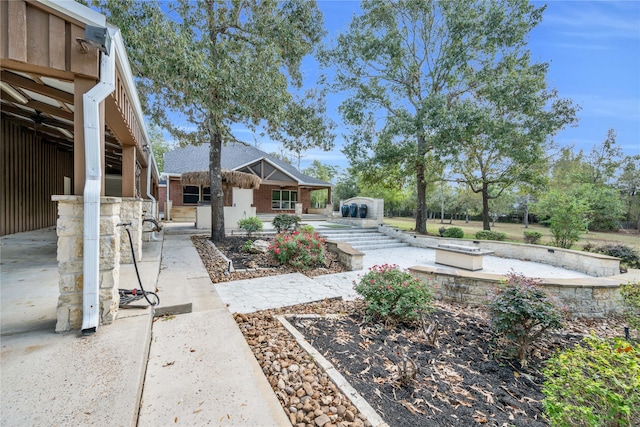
392,294
306,228
532,237
491,235
300,250
521,312
629,257
250,225
455,232
246,246
429,78
285,222
630,293
594,384
567,216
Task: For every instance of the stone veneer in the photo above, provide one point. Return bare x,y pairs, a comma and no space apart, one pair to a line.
592,297
131,212
70,231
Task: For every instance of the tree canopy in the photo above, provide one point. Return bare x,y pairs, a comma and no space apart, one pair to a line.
431,78
218,63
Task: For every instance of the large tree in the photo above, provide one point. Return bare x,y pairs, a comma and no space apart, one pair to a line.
217,63
413,65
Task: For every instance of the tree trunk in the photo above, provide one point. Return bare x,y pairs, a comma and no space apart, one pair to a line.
485,207
526,216
217,200
421,204
421,208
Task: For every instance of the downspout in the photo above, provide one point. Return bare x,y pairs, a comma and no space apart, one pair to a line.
151,161
92,188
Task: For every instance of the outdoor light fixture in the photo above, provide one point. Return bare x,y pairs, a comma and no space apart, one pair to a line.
14,93
97,37
145,147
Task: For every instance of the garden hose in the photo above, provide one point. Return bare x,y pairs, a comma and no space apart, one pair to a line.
128,296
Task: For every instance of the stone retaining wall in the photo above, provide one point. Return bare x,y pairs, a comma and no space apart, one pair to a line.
597,265
590,297
351,258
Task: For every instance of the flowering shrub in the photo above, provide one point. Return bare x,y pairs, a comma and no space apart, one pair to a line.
300,250
391,293
522,313
595,383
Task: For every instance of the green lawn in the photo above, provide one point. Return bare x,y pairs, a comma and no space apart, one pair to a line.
515,232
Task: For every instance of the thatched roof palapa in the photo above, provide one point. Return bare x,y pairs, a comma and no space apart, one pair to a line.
233,178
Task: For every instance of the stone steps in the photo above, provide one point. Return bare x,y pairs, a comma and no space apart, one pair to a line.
362,239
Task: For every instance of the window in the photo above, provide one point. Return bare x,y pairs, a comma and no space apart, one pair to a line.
206,194
283,199
190,194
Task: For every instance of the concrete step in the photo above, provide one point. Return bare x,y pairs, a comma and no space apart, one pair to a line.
363,239
370,247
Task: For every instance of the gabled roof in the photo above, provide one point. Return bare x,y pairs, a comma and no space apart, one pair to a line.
194,158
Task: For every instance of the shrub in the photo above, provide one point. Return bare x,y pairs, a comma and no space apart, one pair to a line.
246,246
521,312
285,222
300,250
393,294
250,225
307,229
455,232
630,293
629,257
490,235
594,384
532,237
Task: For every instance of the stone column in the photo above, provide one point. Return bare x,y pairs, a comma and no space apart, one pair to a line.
131,211
70,231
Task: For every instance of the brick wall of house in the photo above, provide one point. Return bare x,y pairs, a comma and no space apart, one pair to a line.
162,197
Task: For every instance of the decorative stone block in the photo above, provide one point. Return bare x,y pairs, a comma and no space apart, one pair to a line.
131,212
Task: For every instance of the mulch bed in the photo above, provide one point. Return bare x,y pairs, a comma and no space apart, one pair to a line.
248,265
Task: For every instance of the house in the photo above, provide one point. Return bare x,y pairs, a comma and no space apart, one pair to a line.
283,189
75,152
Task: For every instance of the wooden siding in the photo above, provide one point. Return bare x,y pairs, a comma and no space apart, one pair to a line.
40,40
32,171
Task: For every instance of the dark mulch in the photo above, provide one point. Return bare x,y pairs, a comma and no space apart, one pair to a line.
250,265
462,381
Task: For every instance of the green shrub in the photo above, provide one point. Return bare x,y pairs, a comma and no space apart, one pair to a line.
490,235
307,229
246,246
393,294
250,225
532,237
594,384
455,232
521,312
629,257
285,222
630,293
300,250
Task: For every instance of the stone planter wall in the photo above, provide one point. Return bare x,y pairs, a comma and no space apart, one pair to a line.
131,212
70,231
597,265
351,258
591,297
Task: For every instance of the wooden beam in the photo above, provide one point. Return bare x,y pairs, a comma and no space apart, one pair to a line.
129,171
29,84
82,85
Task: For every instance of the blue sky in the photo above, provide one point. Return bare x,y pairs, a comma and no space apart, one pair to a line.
593,48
